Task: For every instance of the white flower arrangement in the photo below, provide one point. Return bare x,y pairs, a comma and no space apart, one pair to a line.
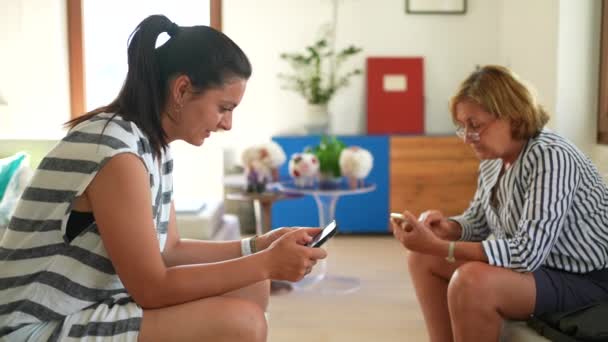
355,164
261,163
304,168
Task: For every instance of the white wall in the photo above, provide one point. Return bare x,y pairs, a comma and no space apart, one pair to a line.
33,68
578,77
578,71
451,44
528,39
552,44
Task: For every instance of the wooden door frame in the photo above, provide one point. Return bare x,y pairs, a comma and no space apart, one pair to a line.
76,51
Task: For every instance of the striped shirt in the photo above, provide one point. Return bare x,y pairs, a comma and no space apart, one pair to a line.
44,277
550,209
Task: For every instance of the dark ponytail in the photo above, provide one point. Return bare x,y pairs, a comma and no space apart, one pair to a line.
208,57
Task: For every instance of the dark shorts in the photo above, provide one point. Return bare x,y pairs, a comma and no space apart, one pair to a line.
558,291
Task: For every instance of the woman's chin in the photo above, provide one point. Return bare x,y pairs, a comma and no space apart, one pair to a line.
195,141
199,142
480,153
483,155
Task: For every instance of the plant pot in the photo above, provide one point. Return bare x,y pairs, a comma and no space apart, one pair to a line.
329,182
317,118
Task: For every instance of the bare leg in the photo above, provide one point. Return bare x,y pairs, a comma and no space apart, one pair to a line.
479,293
257,293
430,276
220,319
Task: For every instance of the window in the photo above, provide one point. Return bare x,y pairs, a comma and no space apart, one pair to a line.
33,69
98,35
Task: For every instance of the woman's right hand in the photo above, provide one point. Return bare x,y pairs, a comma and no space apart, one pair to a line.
438,223
289,258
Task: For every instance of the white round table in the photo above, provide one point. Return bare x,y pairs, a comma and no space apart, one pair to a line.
326,199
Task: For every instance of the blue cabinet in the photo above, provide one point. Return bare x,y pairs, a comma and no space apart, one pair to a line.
361,213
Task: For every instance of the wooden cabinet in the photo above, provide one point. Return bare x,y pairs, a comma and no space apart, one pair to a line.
362,213
410,172
429,172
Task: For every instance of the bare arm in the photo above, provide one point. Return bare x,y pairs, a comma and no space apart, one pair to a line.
415,235
463,251
121,202
454,230
185,251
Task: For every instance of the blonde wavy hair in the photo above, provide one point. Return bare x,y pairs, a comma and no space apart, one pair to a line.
500,92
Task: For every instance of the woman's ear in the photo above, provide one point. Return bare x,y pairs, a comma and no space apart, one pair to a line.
181,87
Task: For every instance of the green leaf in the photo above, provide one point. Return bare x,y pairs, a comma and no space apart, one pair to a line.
314,71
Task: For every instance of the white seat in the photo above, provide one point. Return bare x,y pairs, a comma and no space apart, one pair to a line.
208,223
518,331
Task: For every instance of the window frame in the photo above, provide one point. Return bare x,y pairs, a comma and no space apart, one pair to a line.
76,51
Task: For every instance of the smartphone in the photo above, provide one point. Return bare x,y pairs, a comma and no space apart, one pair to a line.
398,217
324,235
399,220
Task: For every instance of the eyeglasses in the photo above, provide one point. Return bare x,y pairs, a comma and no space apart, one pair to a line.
473,133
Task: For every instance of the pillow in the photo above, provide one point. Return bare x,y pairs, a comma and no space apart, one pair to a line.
14,189
8,168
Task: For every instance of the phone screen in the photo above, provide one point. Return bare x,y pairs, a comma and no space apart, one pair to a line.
324,235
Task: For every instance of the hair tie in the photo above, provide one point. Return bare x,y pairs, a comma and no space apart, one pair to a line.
173,29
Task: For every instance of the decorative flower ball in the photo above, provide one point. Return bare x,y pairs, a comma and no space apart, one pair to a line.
272,154
264,159
257,172
304,168
355,164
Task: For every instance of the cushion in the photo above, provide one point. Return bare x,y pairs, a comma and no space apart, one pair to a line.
20,177
8,168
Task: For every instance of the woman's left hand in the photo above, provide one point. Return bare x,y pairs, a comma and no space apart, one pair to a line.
414,235
263,241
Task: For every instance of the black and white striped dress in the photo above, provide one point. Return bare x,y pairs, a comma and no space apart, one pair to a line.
58,289
551,209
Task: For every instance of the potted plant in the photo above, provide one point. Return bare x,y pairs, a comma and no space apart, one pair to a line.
316,77
328,153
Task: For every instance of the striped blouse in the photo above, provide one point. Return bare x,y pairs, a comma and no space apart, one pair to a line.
44,277
550,209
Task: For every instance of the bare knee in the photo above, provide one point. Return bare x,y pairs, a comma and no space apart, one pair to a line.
248,322
263,293
470,288
417,261
214,319
420,262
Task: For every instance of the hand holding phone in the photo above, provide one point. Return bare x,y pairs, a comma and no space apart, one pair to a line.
399,219
327,232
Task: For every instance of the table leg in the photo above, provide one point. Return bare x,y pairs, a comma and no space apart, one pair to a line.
319,279
259,217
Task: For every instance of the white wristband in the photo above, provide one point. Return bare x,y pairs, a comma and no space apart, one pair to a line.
246,246
450,257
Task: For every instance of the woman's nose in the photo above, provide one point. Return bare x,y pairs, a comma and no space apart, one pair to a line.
226,122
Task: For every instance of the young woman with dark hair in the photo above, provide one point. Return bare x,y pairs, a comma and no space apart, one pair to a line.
92,250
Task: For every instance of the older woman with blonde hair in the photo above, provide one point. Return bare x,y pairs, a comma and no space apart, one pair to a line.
538,195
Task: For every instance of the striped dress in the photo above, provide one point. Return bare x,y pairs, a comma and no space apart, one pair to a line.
56,289
550,209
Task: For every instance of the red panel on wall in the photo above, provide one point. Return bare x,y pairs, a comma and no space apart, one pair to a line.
395,95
